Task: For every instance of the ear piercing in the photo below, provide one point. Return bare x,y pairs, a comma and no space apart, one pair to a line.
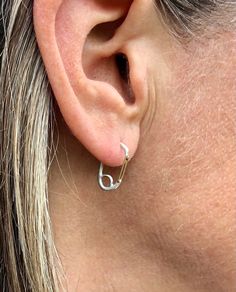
112,185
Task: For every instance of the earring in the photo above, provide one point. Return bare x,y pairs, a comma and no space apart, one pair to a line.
113,186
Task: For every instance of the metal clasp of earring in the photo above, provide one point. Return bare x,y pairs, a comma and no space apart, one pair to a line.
112,185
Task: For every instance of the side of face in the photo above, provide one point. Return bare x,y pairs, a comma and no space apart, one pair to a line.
187,156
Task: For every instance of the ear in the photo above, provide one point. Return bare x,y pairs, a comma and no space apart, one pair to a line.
94,71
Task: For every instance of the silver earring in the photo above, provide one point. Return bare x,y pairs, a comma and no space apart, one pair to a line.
112,185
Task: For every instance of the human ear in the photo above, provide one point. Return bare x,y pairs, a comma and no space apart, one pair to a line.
93,68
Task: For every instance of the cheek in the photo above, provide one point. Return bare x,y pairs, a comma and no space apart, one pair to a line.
197,117
194,128
192,179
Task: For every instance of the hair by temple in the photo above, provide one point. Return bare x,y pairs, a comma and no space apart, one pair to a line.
188,17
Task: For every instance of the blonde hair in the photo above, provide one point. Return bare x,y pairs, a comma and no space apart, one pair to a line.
28,255
188,18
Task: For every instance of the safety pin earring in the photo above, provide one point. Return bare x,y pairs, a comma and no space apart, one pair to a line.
112,185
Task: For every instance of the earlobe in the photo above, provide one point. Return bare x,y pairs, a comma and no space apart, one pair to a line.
97,102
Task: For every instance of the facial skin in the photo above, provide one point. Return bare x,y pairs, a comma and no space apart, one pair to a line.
171,226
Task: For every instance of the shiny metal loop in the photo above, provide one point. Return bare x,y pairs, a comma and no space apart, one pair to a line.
112,185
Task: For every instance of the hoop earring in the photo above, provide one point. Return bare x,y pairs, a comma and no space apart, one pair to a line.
112,185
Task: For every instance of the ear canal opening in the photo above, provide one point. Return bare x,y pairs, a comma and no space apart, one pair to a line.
122,64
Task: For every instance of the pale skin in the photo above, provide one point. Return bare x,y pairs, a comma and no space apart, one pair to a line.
171,226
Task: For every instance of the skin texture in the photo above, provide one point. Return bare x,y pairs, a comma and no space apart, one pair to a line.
172,224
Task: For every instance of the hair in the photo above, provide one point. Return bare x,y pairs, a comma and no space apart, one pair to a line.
188,18
27,252
28,258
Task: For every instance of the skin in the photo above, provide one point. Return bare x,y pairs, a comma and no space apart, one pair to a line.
171,226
